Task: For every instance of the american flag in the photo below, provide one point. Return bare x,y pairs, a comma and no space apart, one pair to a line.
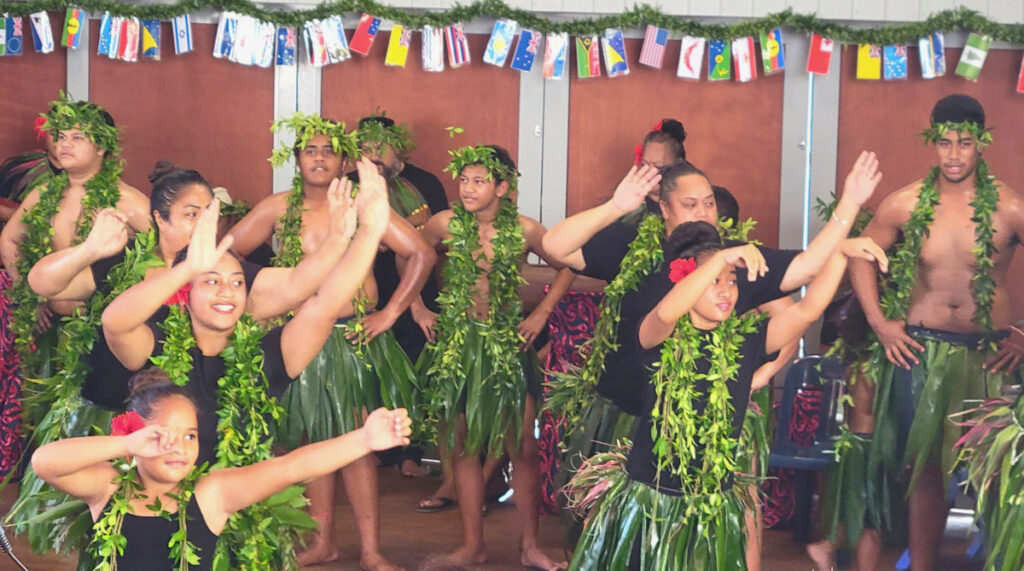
653,52
458,45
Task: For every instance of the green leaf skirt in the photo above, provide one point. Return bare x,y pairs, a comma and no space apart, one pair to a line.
659,531
329,397
604,424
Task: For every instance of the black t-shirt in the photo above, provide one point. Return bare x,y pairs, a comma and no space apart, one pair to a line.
148,537
623,381
642,461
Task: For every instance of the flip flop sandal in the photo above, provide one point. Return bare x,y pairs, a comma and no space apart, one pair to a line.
442,504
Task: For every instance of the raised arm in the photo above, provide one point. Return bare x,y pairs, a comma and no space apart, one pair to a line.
306,333
66,274
258,225
884,229
124,320
859,186
417,257
224,492
279,290
12,235
661,321
566,239
763,375
794,321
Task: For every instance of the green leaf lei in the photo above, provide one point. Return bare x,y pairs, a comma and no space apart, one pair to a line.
108,542
461,274
678,428
261,536
397,136
101,191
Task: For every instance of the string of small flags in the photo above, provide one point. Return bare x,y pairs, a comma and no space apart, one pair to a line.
245,40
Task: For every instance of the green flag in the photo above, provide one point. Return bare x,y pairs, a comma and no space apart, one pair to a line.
973,56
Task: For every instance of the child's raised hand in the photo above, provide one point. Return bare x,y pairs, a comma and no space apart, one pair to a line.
746,256
203,250
152,441
386,429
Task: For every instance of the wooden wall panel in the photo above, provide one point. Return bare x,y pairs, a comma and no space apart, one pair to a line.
480,98
193,110
27,83
886,117
734,133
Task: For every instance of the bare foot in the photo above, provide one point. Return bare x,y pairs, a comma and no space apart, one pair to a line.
411,469
459,558
377,562
821,552
318,550
534,558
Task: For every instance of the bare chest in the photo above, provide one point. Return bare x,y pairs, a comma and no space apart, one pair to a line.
65,222
952,237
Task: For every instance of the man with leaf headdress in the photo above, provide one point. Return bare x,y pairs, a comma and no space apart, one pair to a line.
940,319
361,367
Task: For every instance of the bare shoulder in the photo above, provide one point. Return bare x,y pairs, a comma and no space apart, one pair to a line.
531,226
131,195
274,205
1009,199
896,207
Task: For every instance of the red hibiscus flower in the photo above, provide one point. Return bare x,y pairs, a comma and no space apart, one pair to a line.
638,153
656,127
39,127
680,268
127,423
180,297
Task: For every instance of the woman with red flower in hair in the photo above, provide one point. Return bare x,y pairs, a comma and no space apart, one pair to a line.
141,483
677,479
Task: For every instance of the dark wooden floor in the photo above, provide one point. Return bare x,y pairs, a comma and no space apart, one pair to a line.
408,537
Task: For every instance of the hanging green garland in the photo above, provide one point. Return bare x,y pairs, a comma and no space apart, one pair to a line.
461,274
262,535
637,17
678,429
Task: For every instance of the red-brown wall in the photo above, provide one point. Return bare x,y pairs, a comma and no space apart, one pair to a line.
193,110
28,83
480,98
734,132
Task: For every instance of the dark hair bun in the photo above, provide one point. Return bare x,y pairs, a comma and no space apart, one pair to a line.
148,387
160,170
674,129
147,379
690,239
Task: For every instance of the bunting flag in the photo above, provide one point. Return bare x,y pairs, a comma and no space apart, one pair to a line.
3,36
316,46
398,46
973,57
286,44
151,39
334,36
366,32
500,43
719,60
74,19
772,56
869,62
182,27
743,59
1020,77
433,49
42,32
526,50
267,35
15,36
227,27
819,58
652,54
243,46
116,28
130,32
933,55
894,62
614,48
458,45
103,42
691,58
555,47
588,58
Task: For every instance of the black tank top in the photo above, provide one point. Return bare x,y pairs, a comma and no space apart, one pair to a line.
147,539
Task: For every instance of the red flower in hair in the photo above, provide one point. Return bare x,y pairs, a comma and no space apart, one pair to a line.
127,423
656,127
680,268
638,153
38,126
180,297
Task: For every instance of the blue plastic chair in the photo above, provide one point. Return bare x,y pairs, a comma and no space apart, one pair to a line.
806,375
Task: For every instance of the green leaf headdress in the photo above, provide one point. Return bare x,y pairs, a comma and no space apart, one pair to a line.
91,119
308,126
486,156
982,135
960,113
379,129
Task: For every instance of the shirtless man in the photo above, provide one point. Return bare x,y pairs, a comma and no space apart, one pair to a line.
943,308
314,403
486,176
